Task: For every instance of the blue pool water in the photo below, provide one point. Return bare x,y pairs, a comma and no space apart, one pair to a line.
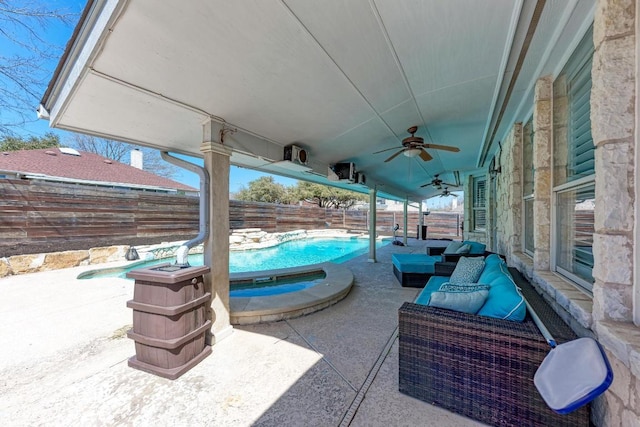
294,253
279,286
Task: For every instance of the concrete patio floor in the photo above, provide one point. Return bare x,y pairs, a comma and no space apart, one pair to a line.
64,360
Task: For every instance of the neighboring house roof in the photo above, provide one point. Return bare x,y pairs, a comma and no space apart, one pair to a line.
86,167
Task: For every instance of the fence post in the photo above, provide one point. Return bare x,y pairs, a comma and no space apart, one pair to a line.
457,225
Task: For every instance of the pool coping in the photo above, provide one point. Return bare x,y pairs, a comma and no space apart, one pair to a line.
333,288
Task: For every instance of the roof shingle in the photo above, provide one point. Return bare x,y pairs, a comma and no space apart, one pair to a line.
86,167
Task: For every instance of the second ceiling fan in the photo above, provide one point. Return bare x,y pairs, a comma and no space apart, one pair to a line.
413,146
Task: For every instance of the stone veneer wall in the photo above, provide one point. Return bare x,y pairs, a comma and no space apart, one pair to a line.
509,194
613,121
609,314
542,118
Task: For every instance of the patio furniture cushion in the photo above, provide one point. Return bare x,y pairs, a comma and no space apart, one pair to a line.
467,270
414,263
505,300
464,249
453,247
477,248
466,298
491,269
433,285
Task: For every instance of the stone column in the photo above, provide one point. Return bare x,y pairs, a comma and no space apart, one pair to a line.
613,111
508,206
542,119
372,224
216,246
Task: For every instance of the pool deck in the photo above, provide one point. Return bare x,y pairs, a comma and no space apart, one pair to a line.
64,360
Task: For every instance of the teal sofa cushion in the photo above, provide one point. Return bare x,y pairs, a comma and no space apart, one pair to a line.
492,269
493,259
505,300
415,263
477,248
432,285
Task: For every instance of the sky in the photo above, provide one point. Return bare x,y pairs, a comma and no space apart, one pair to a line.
58,34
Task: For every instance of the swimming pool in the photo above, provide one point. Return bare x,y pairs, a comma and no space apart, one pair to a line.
289,254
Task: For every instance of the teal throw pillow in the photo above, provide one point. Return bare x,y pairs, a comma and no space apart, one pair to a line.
467,270
465,298
477,248
464,249
453,247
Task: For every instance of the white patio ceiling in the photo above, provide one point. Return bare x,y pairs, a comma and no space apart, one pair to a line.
342,79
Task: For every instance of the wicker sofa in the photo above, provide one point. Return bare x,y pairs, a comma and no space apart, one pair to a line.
478,366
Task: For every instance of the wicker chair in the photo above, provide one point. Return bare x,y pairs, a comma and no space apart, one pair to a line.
481,367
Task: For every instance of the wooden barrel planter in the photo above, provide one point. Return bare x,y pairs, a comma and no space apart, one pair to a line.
169,319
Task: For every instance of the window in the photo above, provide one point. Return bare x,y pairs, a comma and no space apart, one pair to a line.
574,167
527,187
575,222
479,203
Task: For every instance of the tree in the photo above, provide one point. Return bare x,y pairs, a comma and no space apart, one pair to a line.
264,189
119,151
13,143
27,58
325,196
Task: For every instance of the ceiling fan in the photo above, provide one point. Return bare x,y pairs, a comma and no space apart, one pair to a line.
413,146
437,183
446,193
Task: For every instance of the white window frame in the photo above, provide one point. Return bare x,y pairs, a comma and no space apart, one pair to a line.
479,202
569,185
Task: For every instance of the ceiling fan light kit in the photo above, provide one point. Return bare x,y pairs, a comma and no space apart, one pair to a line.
412,152
414,146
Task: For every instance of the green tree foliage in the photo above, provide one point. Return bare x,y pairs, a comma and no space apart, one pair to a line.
266,190
13,143
325,196
263,189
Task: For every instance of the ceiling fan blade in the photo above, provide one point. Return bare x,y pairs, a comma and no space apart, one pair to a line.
386,149
425,156
449,185
394,156
442,147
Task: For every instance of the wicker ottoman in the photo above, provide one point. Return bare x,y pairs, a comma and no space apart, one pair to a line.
413,270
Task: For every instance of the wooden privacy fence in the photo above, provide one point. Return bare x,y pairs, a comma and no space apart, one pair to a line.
279,218
56,216
39,216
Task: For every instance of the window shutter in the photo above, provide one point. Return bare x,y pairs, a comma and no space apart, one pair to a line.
581,149
479,194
